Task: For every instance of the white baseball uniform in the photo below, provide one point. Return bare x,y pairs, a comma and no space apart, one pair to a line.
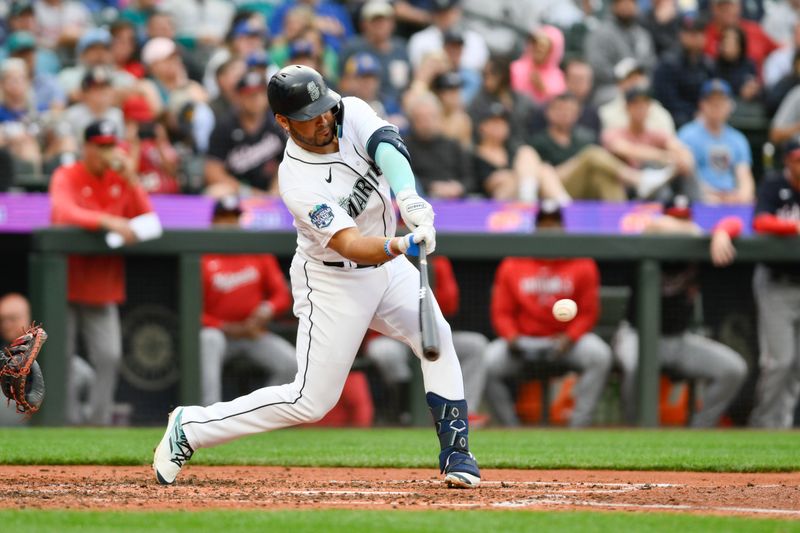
335,302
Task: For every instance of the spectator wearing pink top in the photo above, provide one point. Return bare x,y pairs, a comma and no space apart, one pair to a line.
537,72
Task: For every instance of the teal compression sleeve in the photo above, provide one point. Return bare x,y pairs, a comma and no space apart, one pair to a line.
395,167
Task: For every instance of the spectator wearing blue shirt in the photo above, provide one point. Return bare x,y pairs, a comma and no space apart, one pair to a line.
722,154
332,19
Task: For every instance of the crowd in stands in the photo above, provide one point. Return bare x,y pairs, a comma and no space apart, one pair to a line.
523,100
550,100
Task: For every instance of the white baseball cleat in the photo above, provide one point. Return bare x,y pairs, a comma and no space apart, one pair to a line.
461,471
461,480
173,451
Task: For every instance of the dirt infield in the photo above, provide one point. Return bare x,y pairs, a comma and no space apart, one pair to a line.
199,487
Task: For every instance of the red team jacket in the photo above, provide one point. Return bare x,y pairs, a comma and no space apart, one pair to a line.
445,287
525,290
234,285
80,199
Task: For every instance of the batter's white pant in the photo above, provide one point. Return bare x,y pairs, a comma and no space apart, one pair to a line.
391,359
100,329
590,355
335,307
271,352
692,355
778,388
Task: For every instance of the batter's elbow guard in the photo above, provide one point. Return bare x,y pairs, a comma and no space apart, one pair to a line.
390,135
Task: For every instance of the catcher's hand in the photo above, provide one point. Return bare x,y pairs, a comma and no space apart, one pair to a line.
21,378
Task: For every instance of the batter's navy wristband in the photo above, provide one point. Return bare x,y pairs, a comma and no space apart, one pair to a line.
387,248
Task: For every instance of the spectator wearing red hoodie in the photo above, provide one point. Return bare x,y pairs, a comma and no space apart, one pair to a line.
242,294
537,73
776,287
94,196
523,295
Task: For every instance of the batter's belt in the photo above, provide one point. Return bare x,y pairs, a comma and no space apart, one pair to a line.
341,264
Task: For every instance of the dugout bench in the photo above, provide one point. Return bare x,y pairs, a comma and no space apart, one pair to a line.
48,277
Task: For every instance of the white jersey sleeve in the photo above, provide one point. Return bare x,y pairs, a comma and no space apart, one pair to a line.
360,121
315,215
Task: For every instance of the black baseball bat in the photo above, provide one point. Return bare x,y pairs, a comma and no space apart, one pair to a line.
427,319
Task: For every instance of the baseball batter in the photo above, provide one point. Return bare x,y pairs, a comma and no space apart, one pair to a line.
349,273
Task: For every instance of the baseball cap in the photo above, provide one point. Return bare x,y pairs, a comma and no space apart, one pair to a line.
638,91
375,9
251,82
454,35
96,76
102,132
692,23
250,27
363,64
301,49
715,85
493,110
678,206
791,148
20,41
137,109
257,59
447,80
158,49
626,68
93,37
227,204
19,7
444,5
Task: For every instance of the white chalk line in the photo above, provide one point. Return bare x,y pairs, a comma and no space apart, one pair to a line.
526,483
344,492
656,506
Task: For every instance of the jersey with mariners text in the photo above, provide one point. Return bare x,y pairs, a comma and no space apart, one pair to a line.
327,193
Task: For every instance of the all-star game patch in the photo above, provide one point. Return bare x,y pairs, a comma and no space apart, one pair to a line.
321,216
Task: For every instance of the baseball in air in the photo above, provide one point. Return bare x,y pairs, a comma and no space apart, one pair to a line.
565,310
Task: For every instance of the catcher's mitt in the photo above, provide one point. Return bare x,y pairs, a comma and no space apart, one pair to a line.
21,378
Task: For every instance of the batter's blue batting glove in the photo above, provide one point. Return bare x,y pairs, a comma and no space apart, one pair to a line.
409,244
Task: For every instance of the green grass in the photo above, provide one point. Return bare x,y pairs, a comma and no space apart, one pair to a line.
716,451
383,521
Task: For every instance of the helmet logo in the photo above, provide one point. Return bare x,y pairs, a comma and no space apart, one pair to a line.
313,91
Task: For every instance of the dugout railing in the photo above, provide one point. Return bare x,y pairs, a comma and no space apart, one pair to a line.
48,275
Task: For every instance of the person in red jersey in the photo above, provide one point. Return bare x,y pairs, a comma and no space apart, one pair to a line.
523,295
99,192
241,295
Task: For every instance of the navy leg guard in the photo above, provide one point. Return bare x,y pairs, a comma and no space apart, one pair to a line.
452,428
